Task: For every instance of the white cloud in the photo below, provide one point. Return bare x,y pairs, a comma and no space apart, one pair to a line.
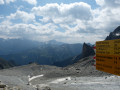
24,16
33,2
100,2
108,3
107,17
6,22
1,1
72,23
117,1
64,12
8,1
38,32
1,16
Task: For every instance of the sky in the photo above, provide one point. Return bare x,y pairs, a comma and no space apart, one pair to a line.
70,21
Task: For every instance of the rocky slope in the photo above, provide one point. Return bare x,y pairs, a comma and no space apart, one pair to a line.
44,77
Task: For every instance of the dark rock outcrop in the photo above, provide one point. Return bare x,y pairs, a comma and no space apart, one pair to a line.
5,64
87,51
114,35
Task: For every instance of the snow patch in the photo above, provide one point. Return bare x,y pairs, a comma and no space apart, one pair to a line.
117,34
61,80
34,77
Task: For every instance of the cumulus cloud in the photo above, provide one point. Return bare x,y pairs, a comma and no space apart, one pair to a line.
24,16
1,16
29,31
59,13
6,1
108,16
33,2
1,1
109,3
100,2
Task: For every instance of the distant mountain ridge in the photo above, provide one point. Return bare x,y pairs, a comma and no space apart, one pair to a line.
53,42
13,46
20,51
45,54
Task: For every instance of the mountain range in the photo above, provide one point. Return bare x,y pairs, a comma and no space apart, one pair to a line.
13,46
45,53
20,52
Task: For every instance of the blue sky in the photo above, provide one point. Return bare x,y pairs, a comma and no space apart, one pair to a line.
71,21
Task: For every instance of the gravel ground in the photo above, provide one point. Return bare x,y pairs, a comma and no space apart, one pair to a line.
64,83
89,83
79,76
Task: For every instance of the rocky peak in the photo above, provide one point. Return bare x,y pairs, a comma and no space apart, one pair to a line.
117,30
114,35
87,50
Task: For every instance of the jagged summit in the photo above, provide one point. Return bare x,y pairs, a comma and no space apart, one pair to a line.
114,35
87,50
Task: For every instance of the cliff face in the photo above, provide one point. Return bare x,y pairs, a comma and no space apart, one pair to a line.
114,35
87,50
